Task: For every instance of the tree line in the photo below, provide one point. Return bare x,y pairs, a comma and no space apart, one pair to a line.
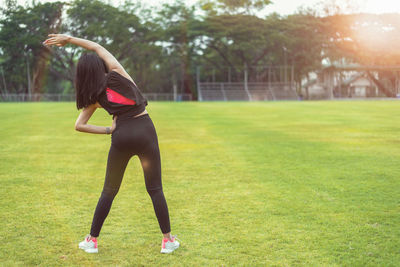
161,47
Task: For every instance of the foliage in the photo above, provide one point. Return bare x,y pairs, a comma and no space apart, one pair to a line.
122,33
238,40
179,30
234,6
364,38
305,39
21,36
162,47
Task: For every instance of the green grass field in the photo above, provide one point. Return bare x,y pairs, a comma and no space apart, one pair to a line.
255,184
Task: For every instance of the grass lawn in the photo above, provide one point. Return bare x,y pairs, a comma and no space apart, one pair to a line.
255,184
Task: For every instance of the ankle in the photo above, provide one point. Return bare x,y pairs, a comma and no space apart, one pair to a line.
168,236
92,238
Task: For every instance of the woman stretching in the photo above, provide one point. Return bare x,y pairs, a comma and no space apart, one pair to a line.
101,82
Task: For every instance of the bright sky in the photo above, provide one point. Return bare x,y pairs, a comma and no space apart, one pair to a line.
285,7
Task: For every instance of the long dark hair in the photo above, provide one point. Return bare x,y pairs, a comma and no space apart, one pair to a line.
89,79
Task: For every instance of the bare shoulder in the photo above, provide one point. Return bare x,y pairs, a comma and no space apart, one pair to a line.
97,105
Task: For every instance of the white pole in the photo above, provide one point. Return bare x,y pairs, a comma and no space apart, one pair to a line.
4,81
223,91
246,87
175,92
200,97
28,73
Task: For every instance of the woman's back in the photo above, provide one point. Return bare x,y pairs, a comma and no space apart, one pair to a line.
121,97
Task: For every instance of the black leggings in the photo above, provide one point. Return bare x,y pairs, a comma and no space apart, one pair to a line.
133,136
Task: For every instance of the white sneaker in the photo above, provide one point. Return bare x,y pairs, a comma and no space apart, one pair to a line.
168,246
89,246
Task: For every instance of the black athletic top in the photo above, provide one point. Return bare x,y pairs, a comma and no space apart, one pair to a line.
121,97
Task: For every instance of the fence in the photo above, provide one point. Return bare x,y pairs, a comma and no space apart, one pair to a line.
214,91
257,83
71,97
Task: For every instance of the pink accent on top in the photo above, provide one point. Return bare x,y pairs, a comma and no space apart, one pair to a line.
165,240
113,96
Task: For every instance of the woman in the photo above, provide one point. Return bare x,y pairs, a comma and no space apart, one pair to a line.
101,82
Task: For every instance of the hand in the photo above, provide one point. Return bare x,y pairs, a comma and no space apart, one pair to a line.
114,124
57,39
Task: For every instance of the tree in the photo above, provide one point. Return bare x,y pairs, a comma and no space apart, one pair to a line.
248,7
305,40
365,39
121,32
178,32
21,36
235,41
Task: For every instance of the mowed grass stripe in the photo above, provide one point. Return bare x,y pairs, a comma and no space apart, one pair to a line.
283,183
331,161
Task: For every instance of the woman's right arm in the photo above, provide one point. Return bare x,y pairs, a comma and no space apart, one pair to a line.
83,118
111,62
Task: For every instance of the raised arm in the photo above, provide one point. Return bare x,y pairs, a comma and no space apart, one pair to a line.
82,126
111,62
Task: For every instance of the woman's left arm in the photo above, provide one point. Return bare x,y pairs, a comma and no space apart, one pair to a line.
82,126
111,62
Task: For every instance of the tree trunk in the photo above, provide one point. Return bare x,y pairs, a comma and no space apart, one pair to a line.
39,71
381,86
43,56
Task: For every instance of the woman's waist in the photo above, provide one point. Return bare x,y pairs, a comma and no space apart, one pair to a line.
130,115
141,114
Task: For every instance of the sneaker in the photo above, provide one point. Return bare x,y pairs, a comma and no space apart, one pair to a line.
89,246
168,246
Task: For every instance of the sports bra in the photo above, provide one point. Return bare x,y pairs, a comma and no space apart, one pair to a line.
121,97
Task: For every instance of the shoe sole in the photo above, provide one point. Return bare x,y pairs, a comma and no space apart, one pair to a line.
89,250
167,251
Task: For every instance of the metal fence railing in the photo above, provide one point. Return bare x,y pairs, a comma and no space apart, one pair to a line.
71,97
249,83
253,91
36,97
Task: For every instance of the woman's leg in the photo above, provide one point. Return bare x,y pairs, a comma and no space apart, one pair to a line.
116,165
151,164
